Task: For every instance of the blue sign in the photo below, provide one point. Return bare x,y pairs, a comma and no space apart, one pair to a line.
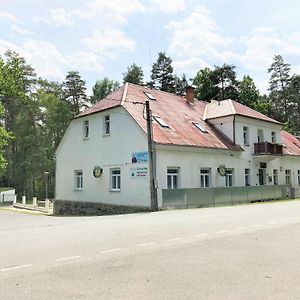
139,157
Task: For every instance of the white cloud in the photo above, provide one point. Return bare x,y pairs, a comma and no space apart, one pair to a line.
56,17
87,61
6,16
196,40
170,7
17,29
109,43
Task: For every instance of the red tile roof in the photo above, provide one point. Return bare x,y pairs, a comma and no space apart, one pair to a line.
223,108
291,145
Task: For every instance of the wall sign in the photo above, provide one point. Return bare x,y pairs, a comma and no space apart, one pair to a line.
138,172
97,172
222,170
139,157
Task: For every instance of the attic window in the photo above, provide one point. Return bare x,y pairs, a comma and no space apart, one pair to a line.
160,121
200,127
150,96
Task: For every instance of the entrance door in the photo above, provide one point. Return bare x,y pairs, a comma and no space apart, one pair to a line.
262,176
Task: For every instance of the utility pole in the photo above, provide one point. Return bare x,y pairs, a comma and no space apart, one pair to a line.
153,191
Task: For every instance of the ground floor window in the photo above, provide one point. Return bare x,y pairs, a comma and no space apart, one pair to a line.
173,178
115,179
205,177
247,177
288,177
275,177
78,180
229,177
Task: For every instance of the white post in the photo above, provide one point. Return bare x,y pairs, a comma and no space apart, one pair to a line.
24,200
15,199
34,201
47,204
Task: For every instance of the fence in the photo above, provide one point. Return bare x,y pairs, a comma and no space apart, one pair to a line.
206,197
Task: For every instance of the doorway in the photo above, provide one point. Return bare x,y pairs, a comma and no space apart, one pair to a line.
262,176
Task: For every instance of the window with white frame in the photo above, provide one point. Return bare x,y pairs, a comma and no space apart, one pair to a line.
229,177
275,177
86,129
273,137
298,173
173,178
288,177
205,177
247,177
246,135
78,180
106,125
115,179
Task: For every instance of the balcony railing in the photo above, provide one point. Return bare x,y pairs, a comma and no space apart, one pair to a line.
267,148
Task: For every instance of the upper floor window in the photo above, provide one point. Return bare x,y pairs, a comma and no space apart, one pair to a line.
106,125
173,178
273,137
115,179
247,177
298,177
86,129
260,136
288,177
246,135
229,177
205,177
78,180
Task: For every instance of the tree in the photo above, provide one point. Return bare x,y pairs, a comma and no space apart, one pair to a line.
180,85
205,87
162,73
75,91
134,74
248,93
102,88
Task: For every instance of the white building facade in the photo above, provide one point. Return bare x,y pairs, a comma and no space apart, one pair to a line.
103,155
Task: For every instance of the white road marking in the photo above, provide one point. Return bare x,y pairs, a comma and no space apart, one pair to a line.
241,228
145,244
257,225
16,268
200,235
110,250
175,239
67,258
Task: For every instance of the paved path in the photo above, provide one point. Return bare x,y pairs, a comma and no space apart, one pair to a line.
241,252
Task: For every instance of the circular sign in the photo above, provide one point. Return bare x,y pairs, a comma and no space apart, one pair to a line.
222,170
97,172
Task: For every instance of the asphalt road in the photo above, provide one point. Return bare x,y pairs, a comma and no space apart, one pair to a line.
241,252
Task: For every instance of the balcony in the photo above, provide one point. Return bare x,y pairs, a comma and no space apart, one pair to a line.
267,148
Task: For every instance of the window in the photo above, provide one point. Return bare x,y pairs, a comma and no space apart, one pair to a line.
229,177
275,177
298,173
200,127
288,177
273,137
246,136
205,177
86,129
150,96
173,178
160,121
247,177
107,125
78,180
260,136
115,179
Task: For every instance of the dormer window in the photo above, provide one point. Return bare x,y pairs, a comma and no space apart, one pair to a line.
86,129
161,122
150,96
200,127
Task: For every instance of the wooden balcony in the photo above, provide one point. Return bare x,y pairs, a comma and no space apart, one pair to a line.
267,148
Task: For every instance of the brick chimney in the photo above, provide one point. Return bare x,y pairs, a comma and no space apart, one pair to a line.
190,94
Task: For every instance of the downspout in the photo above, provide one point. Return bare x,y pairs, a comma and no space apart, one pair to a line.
234,129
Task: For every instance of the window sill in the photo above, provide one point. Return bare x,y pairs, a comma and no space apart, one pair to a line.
78,190
104,135
115,191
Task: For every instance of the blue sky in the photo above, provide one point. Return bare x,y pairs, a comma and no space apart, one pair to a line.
103,37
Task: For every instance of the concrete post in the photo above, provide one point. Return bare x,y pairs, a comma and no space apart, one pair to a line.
34,201
15,199
47,204
24,200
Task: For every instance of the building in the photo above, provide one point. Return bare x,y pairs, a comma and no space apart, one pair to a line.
103,154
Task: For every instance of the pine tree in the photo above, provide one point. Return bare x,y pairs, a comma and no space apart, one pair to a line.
205,87
162,74
248,93
134,74
102,88
180,85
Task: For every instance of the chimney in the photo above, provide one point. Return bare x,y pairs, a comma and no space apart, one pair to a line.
190,94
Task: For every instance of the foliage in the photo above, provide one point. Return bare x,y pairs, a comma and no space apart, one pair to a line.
248,93
102,88
205,88
134,74
180,85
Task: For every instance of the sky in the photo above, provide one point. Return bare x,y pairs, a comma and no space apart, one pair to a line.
102,38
